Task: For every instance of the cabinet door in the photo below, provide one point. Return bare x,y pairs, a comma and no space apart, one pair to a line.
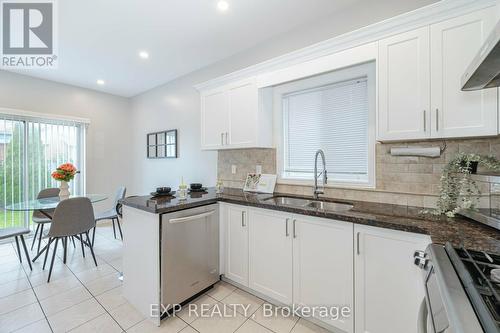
214,119
243,110
404,86
270,255
388,286
323,267
454,43
236,225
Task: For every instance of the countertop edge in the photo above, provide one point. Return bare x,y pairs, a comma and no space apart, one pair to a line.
363,220
459,231
360,218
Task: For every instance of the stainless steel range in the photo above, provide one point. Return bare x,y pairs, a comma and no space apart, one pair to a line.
462,290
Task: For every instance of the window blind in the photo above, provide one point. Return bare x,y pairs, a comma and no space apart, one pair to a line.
30,149
50,145
333,118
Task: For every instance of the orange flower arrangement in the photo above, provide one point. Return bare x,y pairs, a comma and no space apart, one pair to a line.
65,172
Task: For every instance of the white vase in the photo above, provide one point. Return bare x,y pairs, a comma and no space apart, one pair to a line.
64,190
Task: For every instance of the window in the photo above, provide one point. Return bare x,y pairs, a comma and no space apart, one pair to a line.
333,112
30,149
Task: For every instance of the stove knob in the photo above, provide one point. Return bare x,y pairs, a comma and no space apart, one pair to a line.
419,254
420,259
421,262
417,261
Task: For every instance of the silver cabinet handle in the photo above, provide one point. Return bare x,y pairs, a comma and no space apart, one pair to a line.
191,218
227,140
294,233
437,120
357,243
425,121
243,224
222,139
286,228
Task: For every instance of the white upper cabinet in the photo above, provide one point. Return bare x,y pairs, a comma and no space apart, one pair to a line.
323,266
454,43
420,93
243,103
214,119
235,116
388,286
404,86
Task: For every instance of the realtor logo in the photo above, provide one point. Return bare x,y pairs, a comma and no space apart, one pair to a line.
28,34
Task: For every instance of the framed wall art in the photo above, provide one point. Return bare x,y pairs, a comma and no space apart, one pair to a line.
162,144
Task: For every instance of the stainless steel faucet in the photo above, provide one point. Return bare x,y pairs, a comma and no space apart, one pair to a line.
317,192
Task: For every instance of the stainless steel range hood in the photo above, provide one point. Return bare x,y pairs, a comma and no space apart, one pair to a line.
484,71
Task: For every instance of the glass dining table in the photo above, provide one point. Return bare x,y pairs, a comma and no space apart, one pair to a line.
46,207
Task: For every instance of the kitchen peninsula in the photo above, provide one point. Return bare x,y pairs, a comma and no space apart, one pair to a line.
154,251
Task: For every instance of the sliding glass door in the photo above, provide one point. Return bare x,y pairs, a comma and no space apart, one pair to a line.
50,145
30,149
12,148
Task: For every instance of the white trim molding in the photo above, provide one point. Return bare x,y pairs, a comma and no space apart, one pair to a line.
351,71
350,57
44,116
433,13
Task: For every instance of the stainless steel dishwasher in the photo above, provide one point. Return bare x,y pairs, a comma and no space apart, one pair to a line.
189,253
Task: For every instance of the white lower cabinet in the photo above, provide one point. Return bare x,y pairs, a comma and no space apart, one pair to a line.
270,254
388,286
323,268
236,243
316,263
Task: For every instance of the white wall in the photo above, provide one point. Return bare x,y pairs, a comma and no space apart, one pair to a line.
108,136
176,104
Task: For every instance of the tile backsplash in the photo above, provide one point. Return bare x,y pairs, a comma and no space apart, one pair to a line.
245,161
412,181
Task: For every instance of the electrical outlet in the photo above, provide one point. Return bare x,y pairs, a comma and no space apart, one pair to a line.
258,169
233,169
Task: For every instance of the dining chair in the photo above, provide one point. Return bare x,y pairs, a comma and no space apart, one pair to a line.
41,219
113,213
73,217
17,233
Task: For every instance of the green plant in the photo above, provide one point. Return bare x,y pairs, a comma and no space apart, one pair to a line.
457,188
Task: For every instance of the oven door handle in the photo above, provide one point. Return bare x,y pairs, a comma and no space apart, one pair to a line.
423,314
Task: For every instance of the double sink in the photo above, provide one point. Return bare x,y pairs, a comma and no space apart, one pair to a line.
308,203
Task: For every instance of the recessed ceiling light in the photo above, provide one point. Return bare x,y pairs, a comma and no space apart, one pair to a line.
144,55
100,82
222,5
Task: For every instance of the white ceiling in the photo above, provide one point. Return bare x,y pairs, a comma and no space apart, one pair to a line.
101,39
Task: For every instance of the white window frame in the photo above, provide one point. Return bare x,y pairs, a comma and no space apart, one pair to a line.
367,70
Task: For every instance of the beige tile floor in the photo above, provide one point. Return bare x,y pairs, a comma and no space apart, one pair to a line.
83,298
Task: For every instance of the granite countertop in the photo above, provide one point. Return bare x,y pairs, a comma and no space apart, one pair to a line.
460,231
